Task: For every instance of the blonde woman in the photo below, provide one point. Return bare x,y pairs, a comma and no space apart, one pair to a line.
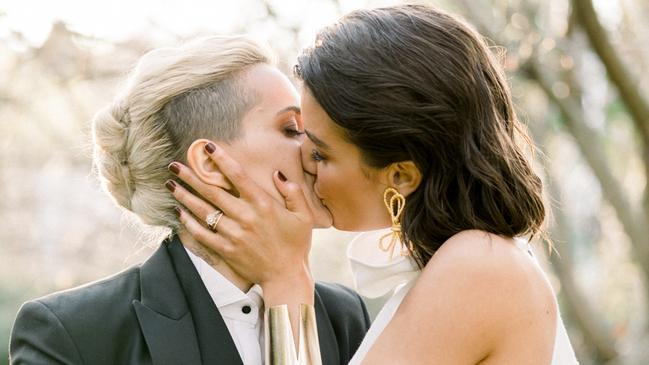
183,306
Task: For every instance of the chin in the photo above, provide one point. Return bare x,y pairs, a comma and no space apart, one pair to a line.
357,226
322,218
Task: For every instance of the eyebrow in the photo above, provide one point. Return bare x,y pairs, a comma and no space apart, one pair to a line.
318,142
291,108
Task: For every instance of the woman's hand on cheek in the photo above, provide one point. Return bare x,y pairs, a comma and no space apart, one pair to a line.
265,241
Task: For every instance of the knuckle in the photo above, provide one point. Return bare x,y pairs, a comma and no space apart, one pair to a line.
226,251
309,216
199,235
293,188
248,220
308,219
217,152
263,205
183,222
179,194
212,195
238,173
238,236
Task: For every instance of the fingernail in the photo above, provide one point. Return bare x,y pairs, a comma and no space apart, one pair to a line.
171,185
210,147
281,176
178,211
174,167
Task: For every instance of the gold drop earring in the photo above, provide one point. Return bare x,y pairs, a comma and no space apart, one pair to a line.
395,202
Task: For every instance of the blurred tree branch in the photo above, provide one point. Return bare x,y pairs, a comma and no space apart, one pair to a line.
584,137
587,141
619,74
596,333
588,322
593,329
633,220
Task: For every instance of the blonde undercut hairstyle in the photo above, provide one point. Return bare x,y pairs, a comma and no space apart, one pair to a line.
172,97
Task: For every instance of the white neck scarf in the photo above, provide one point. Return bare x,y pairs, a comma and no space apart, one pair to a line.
375,272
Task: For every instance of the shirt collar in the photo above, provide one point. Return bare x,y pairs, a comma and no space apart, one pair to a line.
227,297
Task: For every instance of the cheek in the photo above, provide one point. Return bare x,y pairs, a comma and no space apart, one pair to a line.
338,189
308,164
263,155
325,185
355,201
286,157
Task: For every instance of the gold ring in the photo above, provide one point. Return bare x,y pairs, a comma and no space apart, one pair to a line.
213,219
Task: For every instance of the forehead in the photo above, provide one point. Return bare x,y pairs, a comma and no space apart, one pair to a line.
271,86
316,119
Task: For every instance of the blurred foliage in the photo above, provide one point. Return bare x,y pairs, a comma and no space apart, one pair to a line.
58,229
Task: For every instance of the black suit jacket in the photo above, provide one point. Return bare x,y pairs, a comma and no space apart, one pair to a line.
160,312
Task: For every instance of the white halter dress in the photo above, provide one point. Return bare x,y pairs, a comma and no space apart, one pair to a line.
376,274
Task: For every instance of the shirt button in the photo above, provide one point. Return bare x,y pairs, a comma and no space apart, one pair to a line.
246,309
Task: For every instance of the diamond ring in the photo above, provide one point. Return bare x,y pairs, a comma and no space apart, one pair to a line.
213,219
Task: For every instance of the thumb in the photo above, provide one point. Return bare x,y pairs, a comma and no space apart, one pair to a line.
292,193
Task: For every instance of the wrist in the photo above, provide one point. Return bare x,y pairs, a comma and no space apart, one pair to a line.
291,288
299,275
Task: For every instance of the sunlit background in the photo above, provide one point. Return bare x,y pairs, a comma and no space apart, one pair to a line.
579,71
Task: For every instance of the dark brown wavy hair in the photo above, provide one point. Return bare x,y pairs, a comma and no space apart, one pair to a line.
414,83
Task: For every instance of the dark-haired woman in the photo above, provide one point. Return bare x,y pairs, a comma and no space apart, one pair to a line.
410,127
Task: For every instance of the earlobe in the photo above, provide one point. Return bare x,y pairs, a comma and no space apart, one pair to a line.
404,176
203,166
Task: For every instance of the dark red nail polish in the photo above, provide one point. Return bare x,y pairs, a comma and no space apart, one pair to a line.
178,211
174,167
281,176
171,185
210,148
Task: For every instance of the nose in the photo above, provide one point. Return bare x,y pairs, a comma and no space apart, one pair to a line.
308,165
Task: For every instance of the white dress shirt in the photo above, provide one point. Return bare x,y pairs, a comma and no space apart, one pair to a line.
242,312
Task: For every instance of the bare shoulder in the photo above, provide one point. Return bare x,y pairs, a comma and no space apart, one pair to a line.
488,282
487,259
478,296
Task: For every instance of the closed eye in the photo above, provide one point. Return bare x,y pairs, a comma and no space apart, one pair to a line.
291,129
292,132
316,156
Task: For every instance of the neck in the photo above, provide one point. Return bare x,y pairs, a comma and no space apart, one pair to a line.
215,261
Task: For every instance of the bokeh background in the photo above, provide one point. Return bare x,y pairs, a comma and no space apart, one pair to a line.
580,75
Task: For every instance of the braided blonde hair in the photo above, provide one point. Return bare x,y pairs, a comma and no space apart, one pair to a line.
172,97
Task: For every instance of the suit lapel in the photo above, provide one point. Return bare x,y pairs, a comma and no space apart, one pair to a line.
163,314
214,340
170,341
326,335
173,299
